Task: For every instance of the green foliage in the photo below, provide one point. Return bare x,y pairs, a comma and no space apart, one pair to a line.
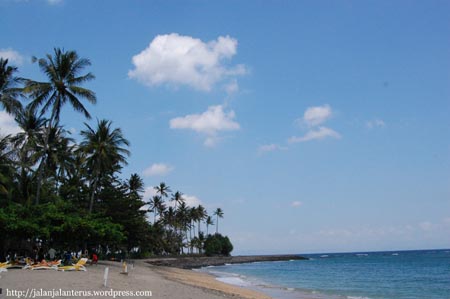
218,245
57,193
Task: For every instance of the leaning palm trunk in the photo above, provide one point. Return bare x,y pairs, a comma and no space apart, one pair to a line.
91,203
42,164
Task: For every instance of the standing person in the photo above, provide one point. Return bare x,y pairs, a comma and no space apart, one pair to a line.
51,253
40,254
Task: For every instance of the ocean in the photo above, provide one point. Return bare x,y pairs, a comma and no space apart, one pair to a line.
421,274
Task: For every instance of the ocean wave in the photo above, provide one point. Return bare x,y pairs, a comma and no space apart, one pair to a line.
234,281
357,297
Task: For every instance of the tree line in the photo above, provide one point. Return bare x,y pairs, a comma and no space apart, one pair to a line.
56,192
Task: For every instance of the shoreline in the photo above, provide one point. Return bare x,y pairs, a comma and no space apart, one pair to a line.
195,262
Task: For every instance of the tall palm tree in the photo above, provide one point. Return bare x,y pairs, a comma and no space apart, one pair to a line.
219,214
63,70
201,213
209,222
162,189
9,90
104,151
27,148
58,157
154,204
135,184
177,198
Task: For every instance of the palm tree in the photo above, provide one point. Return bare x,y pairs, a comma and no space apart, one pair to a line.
135,184
64,85
209,222
201,213
155,203
104,152
9,92
219,214
162,189
59,156
27,148
177,198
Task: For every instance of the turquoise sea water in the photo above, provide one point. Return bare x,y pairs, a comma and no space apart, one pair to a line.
370,275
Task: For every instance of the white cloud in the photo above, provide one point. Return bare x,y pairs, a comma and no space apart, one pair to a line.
191,200
209,123
149,192
314,116
376,123
316,134
8,124
13,56
232,87
183,60
426,225
54,2
296,204
270,148
157,169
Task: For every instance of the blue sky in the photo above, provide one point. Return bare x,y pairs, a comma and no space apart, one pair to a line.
316,125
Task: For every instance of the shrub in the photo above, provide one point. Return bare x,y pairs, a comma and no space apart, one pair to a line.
218,245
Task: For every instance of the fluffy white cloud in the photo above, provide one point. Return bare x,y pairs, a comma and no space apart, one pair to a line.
149,192
232,87
270,148
376,123
191,200
183,60
158,169
314,116
296,204
316,134
8,124
209,123
13,57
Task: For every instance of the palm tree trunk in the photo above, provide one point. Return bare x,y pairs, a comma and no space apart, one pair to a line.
41,169
91,203
217,224
39,183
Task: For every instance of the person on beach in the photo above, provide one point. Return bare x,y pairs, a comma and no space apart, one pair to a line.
51,253
94,259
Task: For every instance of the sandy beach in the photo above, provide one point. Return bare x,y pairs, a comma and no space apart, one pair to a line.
162,282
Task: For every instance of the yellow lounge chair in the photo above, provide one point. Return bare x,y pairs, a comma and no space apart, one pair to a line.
75,267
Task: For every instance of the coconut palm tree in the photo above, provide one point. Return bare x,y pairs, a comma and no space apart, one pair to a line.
219,214
9,90
63,70
135,184
177,198
163,190
209,222
201,215
104,151
27,148
154,203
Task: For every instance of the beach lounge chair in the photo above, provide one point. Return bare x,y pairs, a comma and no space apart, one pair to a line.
79,266
10,265
44,265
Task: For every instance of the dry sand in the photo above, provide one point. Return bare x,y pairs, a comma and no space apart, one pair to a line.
163,283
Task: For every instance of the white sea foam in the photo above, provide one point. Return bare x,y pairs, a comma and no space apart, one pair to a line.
362,254
234,281
357,297
323,256
395,254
